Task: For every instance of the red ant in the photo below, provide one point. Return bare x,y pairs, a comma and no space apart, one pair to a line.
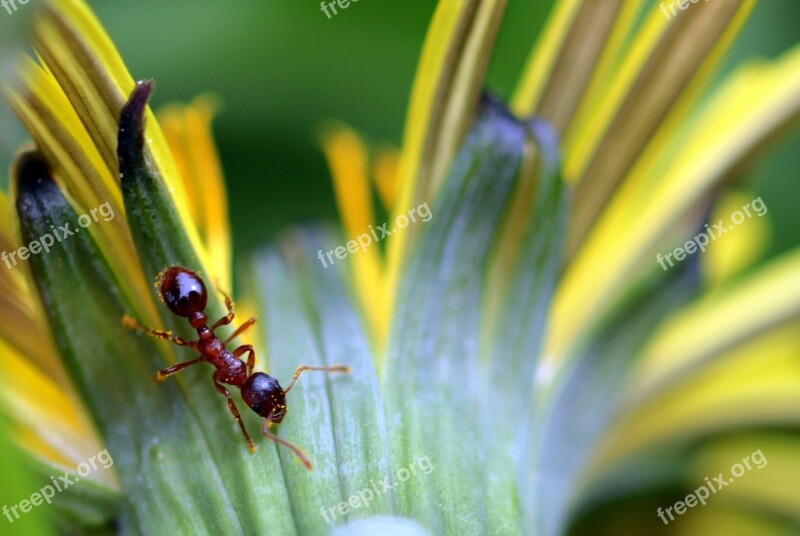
184,293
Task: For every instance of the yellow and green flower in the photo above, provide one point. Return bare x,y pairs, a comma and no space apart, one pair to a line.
521,363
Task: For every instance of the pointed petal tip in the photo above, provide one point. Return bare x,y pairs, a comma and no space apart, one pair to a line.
130,134
492,102
39,199
133,110
142,92
31,172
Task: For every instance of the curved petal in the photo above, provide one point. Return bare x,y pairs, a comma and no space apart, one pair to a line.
660,199
187,130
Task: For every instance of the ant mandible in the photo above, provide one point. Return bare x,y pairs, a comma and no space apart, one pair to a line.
184,293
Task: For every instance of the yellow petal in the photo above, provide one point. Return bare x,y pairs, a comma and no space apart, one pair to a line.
83,175
448,80
732,520
617,51
79,168
562,64
384,172
757,383
755,105
721,320
189,135
82,59
64,437
463,89
769,483
19,316
650,101
47,114
544,56
347,159
725,259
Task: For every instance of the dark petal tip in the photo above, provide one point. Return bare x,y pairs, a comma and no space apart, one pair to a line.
32,172
133,110
491,103
38,196
130,136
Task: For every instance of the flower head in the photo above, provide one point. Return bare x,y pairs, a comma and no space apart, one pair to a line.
516,352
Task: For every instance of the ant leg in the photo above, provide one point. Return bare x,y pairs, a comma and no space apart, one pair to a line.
235,411
162,375
251,359
132,323
301,369
265,429
227,319
241,329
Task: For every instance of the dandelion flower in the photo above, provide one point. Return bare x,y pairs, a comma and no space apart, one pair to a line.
519,355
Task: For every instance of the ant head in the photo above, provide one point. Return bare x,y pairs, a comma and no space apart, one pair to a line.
183,291
265,396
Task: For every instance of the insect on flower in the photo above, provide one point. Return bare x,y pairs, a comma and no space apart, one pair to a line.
184,293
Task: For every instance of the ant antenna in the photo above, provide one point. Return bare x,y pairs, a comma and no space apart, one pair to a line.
303,368
265,429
